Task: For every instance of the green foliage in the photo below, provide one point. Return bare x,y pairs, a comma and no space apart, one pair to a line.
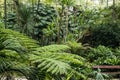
43,15
67,2
75,47
48,62
32,25
22,56
13,61
17,38
98,75
11,20
79,49
105,34
103,56
54,61
104,29
50,34
53,48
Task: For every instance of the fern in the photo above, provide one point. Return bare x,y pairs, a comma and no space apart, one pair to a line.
53,48
53,66
23,40
11,67
11,45
52,61
56,61
66,57
9,54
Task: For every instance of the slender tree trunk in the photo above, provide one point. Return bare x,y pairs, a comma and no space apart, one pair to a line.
57,23
113,14
17,6
107,3
5,13
66,24
113,3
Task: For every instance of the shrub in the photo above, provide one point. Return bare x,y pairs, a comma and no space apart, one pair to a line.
103,56
107,34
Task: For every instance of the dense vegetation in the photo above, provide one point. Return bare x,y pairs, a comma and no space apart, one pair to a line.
57,39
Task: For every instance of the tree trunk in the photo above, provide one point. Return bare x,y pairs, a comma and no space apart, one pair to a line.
113,13
113,3
57,22
107,3
5,13
67,18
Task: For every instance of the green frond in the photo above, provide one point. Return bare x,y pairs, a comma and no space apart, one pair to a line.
13,44
53,48
77,75
17,38
11,67
65,57
53,66
58,63
4,65
9,54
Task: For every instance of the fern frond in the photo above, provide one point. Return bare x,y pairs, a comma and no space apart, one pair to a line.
53,48
53,66
65,57
23,40
9,54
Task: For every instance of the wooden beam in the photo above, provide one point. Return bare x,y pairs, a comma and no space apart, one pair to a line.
107,67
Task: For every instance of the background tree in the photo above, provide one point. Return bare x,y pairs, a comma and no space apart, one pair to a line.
5,13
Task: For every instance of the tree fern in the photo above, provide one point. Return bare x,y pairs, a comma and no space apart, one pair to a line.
7,66
9,54
11,45
66,57
42,63
53,60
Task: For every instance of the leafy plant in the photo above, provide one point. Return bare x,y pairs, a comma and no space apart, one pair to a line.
26,58
103,31
54,48
13,49
98,75
58,63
